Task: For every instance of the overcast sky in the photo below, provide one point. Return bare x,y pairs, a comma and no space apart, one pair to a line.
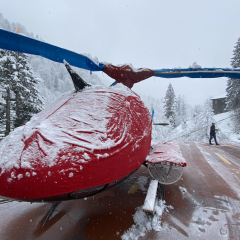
153,34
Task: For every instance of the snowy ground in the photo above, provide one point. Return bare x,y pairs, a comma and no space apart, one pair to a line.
203,204
226,126
144,222
198,133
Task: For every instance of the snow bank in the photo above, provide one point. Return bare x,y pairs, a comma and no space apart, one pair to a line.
226,127
144,222
198,130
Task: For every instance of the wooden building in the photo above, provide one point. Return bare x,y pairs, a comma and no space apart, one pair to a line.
219,103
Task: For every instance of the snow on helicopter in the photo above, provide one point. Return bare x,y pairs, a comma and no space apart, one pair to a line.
90,139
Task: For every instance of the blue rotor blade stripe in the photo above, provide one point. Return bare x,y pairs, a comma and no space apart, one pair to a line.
198,73
15,42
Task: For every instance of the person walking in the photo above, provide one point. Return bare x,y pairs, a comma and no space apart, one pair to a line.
213,134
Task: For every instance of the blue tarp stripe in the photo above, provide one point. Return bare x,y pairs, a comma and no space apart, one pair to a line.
113,84
198,73
16,42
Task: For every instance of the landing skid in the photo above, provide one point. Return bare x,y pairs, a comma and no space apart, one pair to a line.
160,191
51,211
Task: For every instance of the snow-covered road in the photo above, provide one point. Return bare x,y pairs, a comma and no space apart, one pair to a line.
203,204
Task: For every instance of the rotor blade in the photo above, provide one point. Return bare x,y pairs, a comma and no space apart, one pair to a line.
125,74
162,124
128,75
198,73
19,43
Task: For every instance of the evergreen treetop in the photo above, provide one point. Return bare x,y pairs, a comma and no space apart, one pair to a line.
169,102
233,85
235,60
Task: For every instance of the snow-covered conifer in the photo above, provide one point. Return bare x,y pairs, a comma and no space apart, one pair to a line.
233,85
233,88
235,61
202,119
17,75
169,102
176,111
180,110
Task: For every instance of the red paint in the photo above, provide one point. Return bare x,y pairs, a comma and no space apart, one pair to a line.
126,74
126,112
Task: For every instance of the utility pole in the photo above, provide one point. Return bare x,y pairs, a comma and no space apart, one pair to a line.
8,99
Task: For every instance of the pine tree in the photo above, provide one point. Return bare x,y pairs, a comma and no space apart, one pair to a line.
233,88
180,109
17,75
235,61
196,110
233,85
169,103
177,111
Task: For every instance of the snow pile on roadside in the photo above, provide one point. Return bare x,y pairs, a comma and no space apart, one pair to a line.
144,222
198,131
226,126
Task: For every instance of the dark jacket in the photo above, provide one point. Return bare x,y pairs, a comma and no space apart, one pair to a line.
212,129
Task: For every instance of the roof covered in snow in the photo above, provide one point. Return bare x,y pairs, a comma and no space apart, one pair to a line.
223,95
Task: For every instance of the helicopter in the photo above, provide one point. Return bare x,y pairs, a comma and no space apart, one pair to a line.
90,139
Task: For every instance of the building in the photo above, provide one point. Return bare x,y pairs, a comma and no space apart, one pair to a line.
219,103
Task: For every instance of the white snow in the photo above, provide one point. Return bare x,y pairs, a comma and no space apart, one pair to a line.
144,222
19,176
149,202
195,65
223,95
133,69
11,149
94,59
193,130
226,127
166,152
102,155
86,156
185,194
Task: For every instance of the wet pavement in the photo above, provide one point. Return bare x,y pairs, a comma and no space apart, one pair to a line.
205,204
